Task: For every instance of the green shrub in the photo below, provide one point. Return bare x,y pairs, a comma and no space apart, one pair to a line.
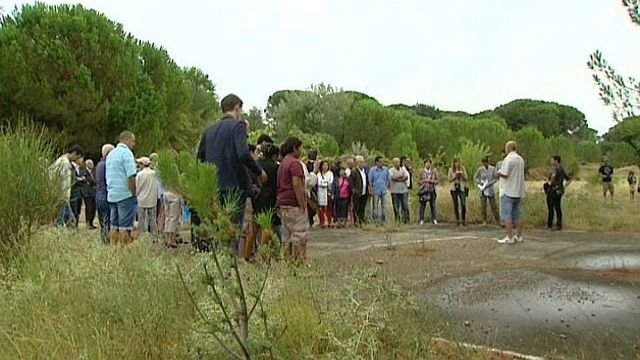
472,154
588,152
27,197
403,145
620,153
532,146
565,147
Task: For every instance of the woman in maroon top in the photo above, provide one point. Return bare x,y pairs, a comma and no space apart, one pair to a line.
292,201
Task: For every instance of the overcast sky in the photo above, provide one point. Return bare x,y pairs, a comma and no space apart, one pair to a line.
457,55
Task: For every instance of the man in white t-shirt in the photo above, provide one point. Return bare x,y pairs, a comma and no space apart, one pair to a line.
512,192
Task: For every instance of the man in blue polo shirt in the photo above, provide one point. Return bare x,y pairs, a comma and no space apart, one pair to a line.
379,181
121,188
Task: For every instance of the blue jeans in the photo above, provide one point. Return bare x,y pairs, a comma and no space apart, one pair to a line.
379,209
401,207
65,217
104,214
510,211
432,205
123,213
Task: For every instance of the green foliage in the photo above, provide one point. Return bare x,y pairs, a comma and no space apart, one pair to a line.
403,145
549,118
79,73
324,143
254,135
565,147
321,109
255,119
471,155
620,153
234,290
619,92
361,149
371,124
533,147
588,152
628,131
27,197
92,301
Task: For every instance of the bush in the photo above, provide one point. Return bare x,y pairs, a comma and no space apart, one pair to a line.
403,145
27,197
472,154
588,152
532,146
620,154
563,146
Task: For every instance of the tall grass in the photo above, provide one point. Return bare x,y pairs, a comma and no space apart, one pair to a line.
28,194
69,297
583,205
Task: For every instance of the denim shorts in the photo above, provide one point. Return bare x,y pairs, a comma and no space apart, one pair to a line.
510,208
123,213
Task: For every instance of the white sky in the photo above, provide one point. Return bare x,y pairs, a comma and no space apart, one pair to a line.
457,55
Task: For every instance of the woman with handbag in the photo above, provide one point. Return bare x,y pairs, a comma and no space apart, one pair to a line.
459,190
427,181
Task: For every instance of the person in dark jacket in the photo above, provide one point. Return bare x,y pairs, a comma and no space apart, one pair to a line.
267,197
104,212
224,144
76,189
360,190
89,193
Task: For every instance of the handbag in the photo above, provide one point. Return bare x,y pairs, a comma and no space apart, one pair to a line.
424,195
313,201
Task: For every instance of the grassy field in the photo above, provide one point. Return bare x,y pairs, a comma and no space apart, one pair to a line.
68,297
583,204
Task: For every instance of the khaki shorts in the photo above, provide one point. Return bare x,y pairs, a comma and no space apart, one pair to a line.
607,186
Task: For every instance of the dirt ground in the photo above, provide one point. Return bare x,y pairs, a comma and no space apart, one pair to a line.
557,293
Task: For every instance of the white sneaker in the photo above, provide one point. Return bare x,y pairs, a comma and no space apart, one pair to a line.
421,222
435,222
507,240
518,238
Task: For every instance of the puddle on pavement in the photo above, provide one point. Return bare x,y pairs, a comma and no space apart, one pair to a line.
617,261
532,311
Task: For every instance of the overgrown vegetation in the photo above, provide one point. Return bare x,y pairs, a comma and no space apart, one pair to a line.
234,290
70,297
27,197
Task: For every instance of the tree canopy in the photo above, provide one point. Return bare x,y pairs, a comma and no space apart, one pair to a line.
79,73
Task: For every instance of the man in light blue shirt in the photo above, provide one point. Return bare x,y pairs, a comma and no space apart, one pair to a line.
121,188
379,181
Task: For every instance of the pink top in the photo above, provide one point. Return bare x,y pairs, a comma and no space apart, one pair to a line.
345,189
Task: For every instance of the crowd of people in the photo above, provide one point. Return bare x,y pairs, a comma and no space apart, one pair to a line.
120,189
266,177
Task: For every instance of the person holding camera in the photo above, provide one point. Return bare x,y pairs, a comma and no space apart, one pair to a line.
459,190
